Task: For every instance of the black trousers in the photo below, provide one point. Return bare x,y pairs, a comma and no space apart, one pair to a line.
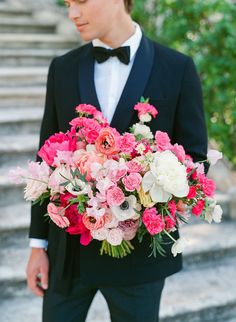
126,304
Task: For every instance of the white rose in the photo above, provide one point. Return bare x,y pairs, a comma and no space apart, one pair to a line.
179,246
217,214
99,234
143,130
213,156
166,176
115,236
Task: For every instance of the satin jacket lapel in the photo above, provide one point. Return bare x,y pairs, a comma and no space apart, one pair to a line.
135,85
87,89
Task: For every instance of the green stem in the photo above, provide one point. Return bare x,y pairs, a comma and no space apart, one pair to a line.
166,232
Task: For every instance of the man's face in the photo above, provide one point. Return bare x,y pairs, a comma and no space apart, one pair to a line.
93,18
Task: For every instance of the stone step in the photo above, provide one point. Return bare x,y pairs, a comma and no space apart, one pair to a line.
22,96
42,41
206,295
14,244
25,25
20,121
17,150
28,57
23,76
7,11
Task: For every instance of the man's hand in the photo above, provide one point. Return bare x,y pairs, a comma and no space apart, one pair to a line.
37,271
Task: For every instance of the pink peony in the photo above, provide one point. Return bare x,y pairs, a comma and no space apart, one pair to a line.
57,215
115,196
198,208
178,150
127,143
108,141
162,141
153,222
132,181
57,142
144,108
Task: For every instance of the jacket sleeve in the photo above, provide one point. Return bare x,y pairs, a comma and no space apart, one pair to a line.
190,128
49,126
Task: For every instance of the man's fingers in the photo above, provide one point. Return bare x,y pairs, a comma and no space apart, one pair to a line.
34,284
44,278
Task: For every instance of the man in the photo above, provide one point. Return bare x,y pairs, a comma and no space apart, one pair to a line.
132,286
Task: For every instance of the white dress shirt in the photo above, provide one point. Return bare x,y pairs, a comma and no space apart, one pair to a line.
110,78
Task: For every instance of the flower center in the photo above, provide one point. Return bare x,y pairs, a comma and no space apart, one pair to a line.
92,220
124,205
105,144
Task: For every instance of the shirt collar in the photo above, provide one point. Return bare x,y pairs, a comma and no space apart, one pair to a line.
133,41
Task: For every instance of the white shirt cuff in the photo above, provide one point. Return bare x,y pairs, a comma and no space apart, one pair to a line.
38,243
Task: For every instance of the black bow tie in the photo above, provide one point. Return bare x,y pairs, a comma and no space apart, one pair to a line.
101,54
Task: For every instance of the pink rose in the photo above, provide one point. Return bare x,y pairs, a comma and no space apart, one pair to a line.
132,181
153,222
127,143
108,141
115,236
57,142
115,197
198,208
129,228
178,150
57,215
162,141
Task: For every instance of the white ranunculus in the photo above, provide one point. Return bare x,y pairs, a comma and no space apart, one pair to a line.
127,210
115,236
100,234
213,156
143,130
179,246
167,176
217,214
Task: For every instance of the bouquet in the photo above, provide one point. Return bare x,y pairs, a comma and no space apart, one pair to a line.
102,185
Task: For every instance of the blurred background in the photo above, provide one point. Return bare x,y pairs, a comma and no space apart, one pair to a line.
31,34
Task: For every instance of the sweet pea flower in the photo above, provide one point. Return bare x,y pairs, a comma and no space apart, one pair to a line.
213,156
179,246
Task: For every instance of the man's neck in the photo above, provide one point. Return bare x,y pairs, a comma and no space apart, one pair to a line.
120,33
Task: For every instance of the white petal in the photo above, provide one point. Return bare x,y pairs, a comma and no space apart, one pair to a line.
148,181
158,194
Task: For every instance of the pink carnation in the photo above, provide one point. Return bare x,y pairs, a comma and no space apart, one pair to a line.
208,185
192,192
162,141
198,208
86,109
169,223
127,143
57,142
172,207
144,108
178,150
153,222
57,215
134,166
132,181
115,197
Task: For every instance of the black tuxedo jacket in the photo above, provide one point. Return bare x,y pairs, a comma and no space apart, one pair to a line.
169,79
